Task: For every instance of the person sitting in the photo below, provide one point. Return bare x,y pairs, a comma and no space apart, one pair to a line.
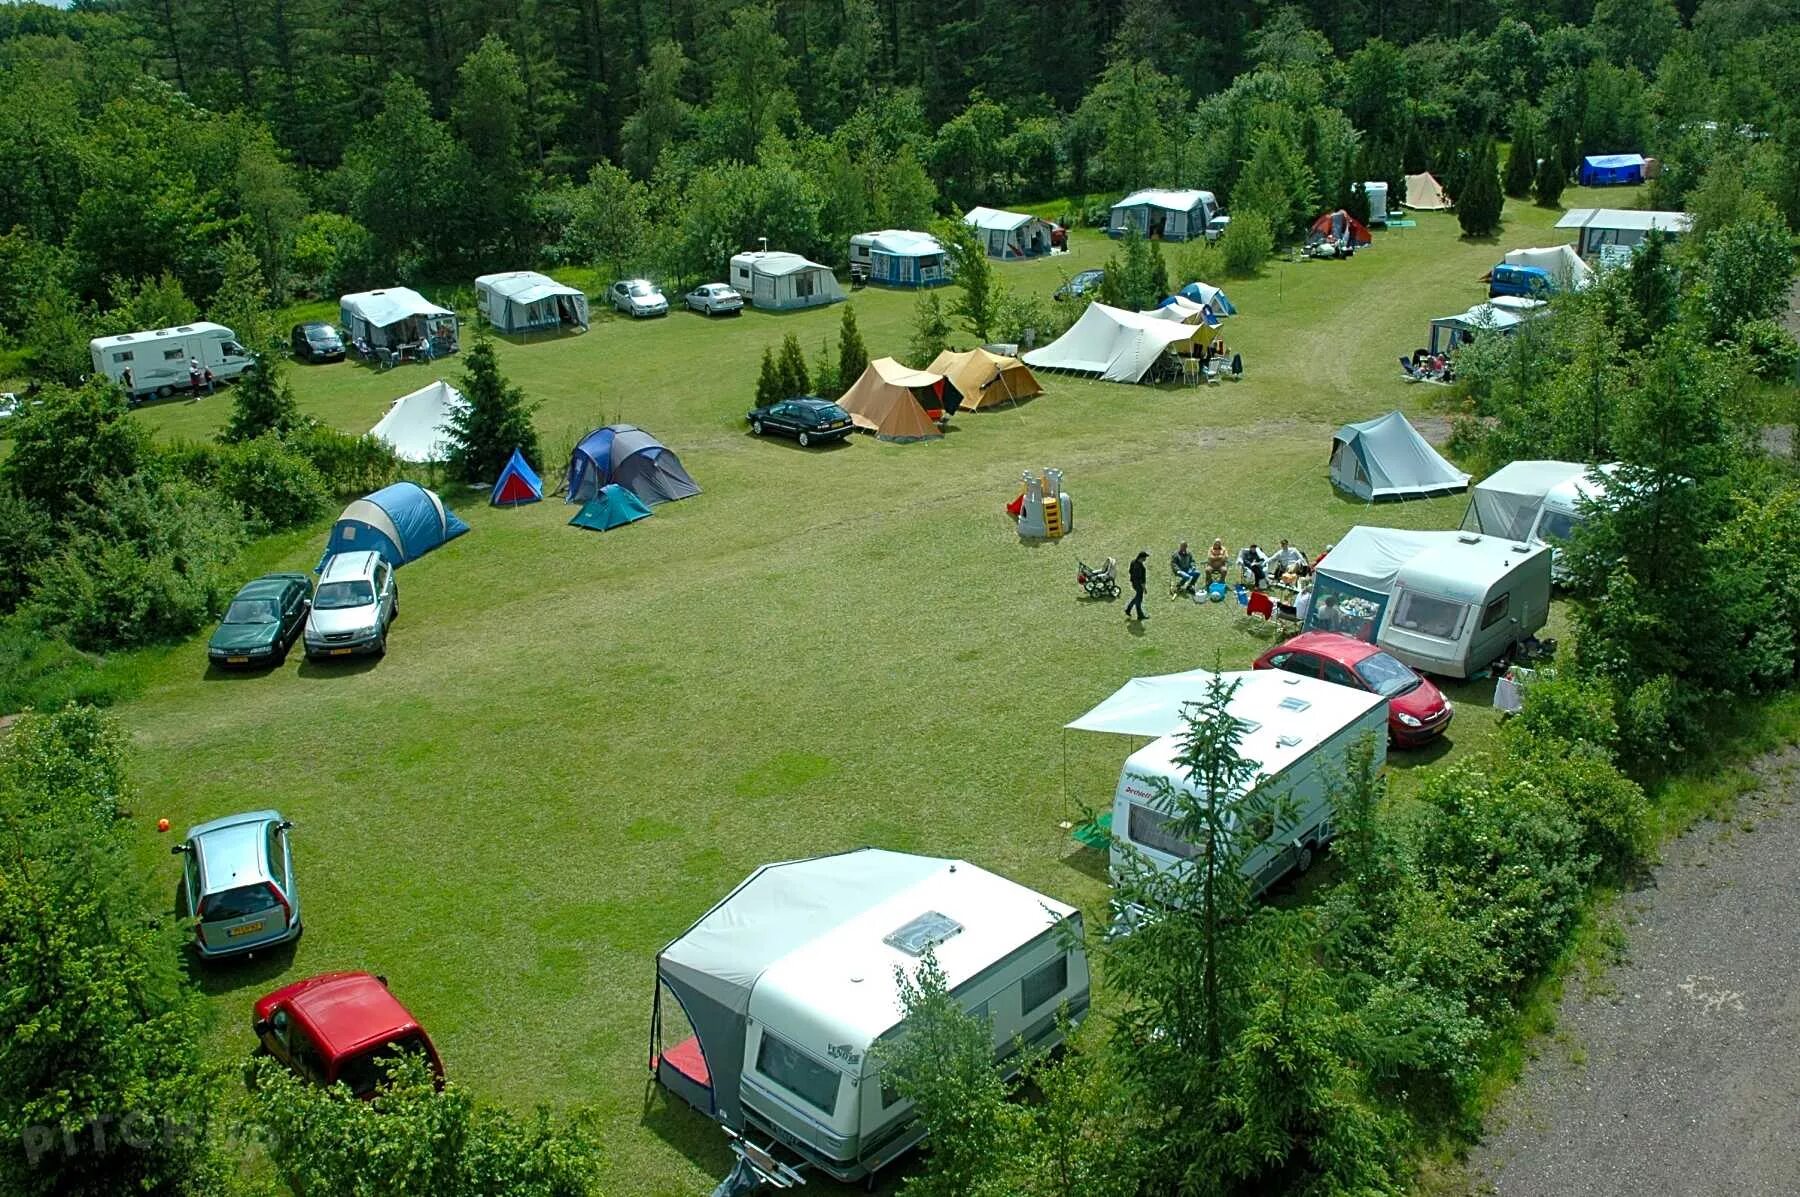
1187,574
1285,559
1253,566
1216,561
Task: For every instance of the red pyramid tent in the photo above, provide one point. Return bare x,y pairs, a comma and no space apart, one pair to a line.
1342,227
518,483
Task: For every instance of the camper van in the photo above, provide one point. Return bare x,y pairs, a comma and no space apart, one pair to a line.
158,360
1539,502
1447,603
786,991
1301,731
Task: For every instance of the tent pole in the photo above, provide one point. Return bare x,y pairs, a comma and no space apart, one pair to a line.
1065,747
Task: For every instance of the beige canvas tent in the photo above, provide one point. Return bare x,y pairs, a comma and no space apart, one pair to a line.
987,379
1424,193
892,401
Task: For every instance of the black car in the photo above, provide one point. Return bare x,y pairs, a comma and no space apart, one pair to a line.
317,342
809,420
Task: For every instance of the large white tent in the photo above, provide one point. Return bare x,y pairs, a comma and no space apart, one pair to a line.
1117,345
1386,458
1560,262
395,315
416,424
1173,215
778,280
1009,234
525,301
1424,193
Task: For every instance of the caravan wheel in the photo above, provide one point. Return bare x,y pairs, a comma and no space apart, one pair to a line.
1304,860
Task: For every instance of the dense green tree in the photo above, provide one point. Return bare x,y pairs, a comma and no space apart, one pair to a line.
749,70
494,420
1745,270
400,171
979,292
1479,202
790,368
262,402
66,446
1277,183
930,330
1548,185
663,116
852,354
1521,157
490,179
768,380
1136,275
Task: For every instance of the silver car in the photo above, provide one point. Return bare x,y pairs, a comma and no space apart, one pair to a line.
638,297
712,299
355,601
238,884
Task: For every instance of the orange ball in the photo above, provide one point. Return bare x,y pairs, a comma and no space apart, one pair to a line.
162,824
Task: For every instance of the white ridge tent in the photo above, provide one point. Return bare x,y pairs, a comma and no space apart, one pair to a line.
1386,458
524,300
388,317
1117,345
1009,234
1502,315
1561,262
416,424
1424,193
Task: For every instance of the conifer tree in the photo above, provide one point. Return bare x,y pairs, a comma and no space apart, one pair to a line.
1551,178
768,381
261,402
790,368
853,355
1521,159
1479,202
494,420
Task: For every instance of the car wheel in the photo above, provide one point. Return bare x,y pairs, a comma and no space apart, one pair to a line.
381,646
804,440
756,427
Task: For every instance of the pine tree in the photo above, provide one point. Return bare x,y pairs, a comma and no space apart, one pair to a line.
1521,159
790,368
853,355
494,420
1479,203
768,382
825,381
261,402
1551,179
1357,201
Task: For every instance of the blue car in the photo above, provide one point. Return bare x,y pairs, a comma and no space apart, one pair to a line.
238,884
1526,282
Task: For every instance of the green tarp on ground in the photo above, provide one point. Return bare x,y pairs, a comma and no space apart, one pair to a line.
611,506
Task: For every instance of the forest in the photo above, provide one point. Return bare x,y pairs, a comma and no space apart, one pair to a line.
151,151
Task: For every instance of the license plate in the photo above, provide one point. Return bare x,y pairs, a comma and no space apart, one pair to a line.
339,652
246,929
237,660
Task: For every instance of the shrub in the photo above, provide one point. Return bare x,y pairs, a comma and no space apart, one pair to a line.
64,449
1246,245
1773,353
40,672
25,540
1199,261
273,485
148,561
350,465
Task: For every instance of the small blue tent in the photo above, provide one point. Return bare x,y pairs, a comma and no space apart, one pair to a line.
402,522
631,457
1209,295
1610,170
518,483
611,507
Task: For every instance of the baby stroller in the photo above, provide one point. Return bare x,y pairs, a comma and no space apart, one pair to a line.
1098,583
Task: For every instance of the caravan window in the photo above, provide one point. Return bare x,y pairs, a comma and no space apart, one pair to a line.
1151,829
174,355
803,284
1428,615
1043,985
814,1083
1558,525
1496,611
121,357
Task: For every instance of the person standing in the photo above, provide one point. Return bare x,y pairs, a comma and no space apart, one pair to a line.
125,380
194,376
1139,577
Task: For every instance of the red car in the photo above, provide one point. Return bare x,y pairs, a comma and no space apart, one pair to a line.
1418,712
340,1027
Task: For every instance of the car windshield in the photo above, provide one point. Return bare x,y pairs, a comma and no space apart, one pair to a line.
642,290
365,1072
250,611
338,596
1386,676
1558,525
236,903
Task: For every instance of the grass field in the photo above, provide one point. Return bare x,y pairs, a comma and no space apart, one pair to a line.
578,742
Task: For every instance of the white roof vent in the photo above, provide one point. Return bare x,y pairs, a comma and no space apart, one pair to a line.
1469,538
922,933
1288,741
1290,703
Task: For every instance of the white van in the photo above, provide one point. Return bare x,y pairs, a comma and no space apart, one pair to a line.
158,360
788,988
1301,732
1448,603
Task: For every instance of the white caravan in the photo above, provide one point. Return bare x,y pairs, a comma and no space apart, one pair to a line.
158,360
1538,502
787,990
1448,603
1301,732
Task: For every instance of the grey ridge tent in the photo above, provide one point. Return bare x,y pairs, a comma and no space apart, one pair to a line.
526,301
1386,458
788,986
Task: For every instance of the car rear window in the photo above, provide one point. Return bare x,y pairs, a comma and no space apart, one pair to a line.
337,596
236,903
1386,676
642,289
366,1072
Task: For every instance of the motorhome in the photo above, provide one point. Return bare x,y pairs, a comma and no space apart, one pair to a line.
1447,603
159,360
1539,502
1300,734
771,1011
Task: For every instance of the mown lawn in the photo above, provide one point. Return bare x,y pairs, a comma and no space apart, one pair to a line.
578,742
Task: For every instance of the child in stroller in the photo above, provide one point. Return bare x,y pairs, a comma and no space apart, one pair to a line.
1098,583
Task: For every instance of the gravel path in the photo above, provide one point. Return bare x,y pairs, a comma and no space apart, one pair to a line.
1677,1071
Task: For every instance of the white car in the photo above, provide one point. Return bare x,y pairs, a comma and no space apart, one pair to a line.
638,297
714,298
356,600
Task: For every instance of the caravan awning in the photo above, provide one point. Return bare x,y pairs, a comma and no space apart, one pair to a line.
390,306
1148,706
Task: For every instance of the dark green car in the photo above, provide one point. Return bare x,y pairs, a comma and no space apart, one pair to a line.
262,622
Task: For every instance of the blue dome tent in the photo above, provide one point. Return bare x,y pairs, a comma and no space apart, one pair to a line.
1209,295
627,455
1611,170
402,522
